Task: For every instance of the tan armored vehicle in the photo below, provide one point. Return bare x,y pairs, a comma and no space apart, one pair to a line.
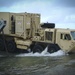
24,31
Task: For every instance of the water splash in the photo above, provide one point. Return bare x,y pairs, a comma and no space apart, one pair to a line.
43,53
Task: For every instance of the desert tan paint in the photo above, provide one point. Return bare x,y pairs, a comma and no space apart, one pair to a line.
27,25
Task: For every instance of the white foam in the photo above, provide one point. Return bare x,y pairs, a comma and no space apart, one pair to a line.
43,53
58,53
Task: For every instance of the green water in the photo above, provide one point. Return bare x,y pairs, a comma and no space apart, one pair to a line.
61,65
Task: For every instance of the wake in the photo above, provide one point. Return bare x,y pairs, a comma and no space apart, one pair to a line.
43,53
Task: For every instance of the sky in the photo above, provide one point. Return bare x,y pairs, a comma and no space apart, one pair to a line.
60,12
